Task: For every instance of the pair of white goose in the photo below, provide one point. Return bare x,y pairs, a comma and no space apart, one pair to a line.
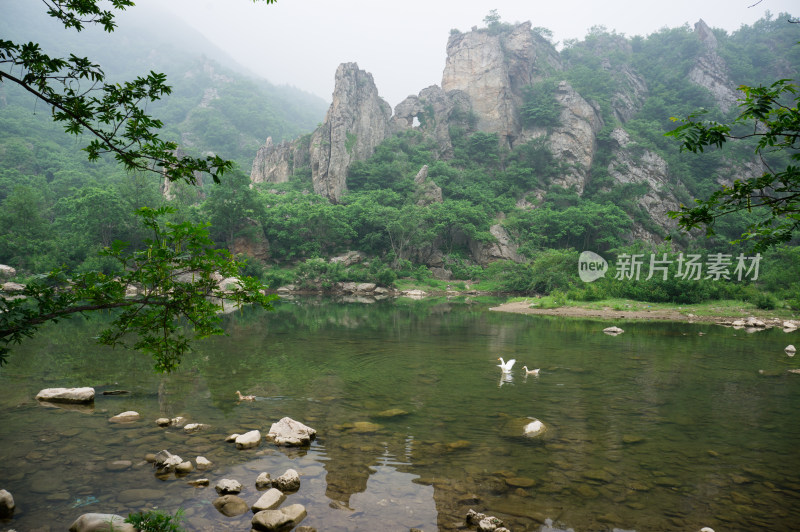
505,367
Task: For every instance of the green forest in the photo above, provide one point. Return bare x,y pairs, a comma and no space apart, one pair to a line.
57,209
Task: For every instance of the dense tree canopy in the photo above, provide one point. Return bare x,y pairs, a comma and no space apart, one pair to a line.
769,114
175,273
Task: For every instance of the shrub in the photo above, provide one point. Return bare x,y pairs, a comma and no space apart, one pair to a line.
156,521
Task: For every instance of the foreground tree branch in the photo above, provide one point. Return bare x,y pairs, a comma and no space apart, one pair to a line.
775,195
177,280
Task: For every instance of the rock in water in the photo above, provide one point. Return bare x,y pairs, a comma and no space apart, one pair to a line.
228,486
270,500
101,523
125,417
263,481
289,481
534,428
291,433
276,520
165,461
230,505
6,505
248,440
613,331
66,395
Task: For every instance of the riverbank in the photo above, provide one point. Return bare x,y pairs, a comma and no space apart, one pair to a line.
729,313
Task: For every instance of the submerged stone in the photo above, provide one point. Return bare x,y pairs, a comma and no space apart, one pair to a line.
392,412
230,505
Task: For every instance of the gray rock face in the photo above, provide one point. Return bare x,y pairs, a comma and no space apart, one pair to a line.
10,287
6,504
492,69
7,271
66,395
645,167
291,433
101,523
357,121
573,141
710,70
275,520
288,482
273,163
434,111
270,500
427,191
501,249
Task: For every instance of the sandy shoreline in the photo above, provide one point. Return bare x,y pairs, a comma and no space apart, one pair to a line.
523,307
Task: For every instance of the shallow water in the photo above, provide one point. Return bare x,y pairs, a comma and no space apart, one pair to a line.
660,428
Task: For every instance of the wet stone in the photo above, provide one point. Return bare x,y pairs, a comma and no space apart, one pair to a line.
230,505
520,482
365,427
598,475
392,412
119,465
637,486
630,439
738,498
586,491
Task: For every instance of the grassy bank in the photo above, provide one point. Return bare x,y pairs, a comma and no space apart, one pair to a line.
724,308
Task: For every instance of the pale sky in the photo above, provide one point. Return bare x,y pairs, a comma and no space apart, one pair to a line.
403,43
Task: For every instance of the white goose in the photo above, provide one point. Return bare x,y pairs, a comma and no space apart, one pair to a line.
504,366
531,371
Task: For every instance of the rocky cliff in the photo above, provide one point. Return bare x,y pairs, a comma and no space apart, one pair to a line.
492,69
487,76
710,70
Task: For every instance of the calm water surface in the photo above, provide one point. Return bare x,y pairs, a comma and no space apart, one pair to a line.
661,428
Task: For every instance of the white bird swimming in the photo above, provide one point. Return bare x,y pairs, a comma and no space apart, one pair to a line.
504,366
530,371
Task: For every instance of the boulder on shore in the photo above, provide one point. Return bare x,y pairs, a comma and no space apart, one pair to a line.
291,433
66,395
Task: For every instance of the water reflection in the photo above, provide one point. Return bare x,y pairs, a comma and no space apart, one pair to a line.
655,429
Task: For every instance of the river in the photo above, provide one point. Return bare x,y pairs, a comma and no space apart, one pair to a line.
668,426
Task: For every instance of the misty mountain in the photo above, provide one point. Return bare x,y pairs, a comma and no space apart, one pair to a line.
217,105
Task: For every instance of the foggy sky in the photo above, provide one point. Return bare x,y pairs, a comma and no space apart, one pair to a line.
403,43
